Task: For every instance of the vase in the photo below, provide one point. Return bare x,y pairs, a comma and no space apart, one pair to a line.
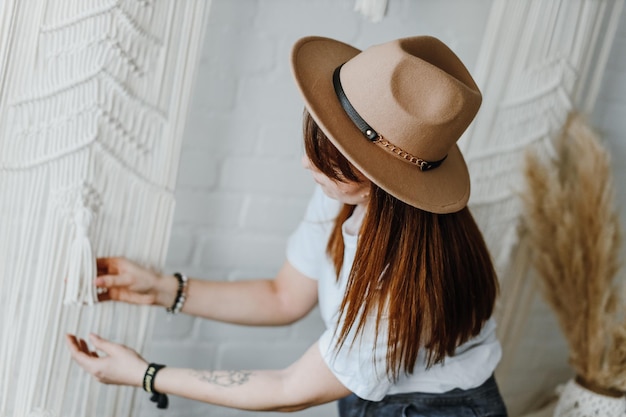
576,400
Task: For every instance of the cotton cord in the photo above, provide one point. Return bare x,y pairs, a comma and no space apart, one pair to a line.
148,385
374,10
529,105
91,122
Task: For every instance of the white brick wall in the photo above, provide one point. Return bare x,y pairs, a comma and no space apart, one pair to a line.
241,189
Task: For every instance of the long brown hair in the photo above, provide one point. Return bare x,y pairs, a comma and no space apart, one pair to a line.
430,274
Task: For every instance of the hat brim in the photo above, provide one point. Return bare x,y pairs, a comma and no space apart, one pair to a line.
445,189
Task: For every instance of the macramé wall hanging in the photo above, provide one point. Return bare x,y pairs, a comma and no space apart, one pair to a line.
540,60
93,101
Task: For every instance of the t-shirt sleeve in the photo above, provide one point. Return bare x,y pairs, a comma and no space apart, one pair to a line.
306,246
360,366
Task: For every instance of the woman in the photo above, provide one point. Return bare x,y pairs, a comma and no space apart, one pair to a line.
387,248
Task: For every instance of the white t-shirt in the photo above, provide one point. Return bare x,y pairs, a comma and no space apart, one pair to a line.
359,366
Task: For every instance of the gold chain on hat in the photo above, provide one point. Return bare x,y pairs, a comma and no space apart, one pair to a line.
421,163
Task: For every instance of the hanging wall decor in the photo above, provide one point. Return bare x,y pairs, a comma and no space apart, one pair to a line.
374,10
93,101
539,60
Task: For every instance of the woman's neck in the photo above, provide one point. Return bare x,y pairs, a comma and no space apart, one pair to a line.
353,224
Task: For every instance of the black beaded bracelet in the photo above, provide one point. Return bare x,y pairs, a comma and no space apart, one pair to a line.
180,294
148,385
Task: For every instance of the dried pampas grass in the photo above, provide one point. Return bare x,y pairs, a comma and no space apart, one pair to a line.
575,234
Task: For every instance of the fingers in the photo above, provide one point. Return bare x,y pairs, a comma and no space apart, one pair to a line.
101,344
72,343
85,348
104,295
119,279
80,351
87,359
105,283
121,365
79,346
108,265
108,281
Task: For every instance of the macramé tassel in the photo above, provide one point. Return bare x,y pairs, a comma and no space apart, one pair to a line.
81,267
374,10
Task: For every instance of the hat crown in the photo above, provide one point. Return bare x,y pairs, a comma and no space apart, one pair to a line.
415,92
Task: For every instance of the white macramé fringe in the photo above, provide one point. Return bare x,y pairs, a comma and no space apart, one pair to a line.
38,412
374,10
90,133
536,59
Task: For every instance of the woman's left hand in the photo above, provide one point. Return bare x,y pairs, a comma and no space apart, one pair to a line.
120,366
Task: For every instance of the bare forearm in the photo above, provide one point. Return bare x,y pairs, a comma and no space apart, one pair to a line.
249,302
258,390
305,383
265,302
248,390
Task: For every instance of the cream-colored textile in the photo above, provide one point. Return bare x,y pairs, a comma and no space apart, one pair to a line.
92,105
539,60
374,10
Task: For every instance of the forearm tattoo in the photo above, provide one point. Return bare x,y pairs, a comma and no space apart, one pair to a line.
223,378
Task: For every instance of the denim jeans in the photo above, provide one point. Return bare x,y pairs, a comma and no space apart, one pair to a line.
481,401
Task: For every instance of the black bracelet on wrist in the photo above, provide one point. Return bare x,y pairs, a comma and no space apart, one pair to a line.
180,294
148,385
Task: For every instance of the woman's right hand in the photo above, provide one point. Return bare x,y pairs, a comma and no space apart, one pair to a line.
124,280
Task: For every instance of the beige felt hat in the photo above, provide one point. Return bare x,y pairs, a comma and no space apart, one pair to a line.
395,111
